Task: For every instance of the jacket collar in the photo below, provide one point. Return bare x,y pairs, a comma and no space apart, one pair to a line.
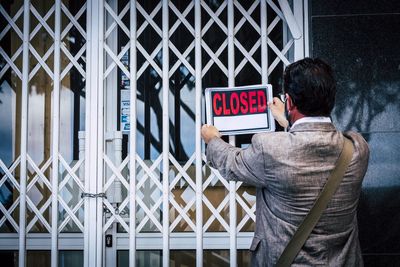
313,127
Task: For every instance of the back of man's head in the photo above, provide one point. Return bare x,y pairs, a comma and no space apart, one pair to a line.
311,85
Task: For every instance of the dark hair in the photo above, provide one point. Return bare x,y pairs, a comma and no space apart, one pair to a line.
311,85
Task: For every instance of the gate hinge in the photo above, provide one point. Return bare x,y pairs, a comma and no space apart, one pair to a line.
102,195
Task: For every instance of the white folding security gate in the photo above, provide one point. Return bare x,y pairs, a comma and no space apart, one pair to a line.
74,73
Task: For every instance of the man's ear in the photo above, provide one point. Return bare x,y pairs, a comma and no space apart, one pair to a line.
289,102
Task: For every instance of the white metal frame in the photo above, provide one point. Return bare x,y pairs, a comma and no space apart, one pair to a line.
55,134
199,177
103,171
24,138
165,129
132,135
232,185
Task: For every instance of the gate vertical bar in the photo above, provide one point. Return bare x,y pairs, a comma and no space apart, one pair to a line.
199,178
100,134
86,232
264,44
112,139
91,137
299,42
55,135
24,136
232,141
165,135
132,137
290,18
305,30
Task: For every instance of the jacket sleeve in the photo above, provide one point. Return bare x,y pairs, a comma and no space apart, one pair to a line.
246,165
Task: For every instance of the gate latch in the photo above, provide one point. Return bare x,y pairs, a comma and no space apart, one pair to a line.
108,241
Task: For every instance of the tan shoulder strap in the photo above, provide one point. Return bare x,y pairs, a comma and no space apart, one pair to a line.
312,218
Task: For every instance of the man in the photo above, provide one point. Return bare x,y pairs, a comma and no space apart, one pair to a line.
290,169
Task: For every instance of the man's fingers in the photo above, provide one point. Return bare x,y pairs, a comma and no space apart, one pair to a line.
208,132
204,129
276,100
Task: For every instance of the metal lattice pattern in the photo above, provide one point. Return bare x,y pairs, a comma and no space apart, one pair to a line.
8,213
71,182
41,184
182,211
9,218
168,191
44,178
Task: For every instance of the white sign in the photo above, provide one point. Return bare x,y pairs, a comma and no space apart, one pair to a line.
240,110
125,111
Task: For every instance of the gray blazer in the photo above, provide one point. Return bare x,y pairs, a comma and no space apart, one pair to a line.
289,170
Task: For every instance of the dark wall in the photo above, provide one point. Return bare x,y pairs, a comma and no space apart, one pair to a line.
361,40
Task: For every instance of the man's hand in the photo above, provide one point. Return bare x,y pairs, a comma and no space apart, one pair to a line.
208,132
278,111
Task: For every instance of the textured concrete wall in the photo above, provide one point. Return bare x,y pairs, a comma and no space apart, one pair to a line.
361,40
